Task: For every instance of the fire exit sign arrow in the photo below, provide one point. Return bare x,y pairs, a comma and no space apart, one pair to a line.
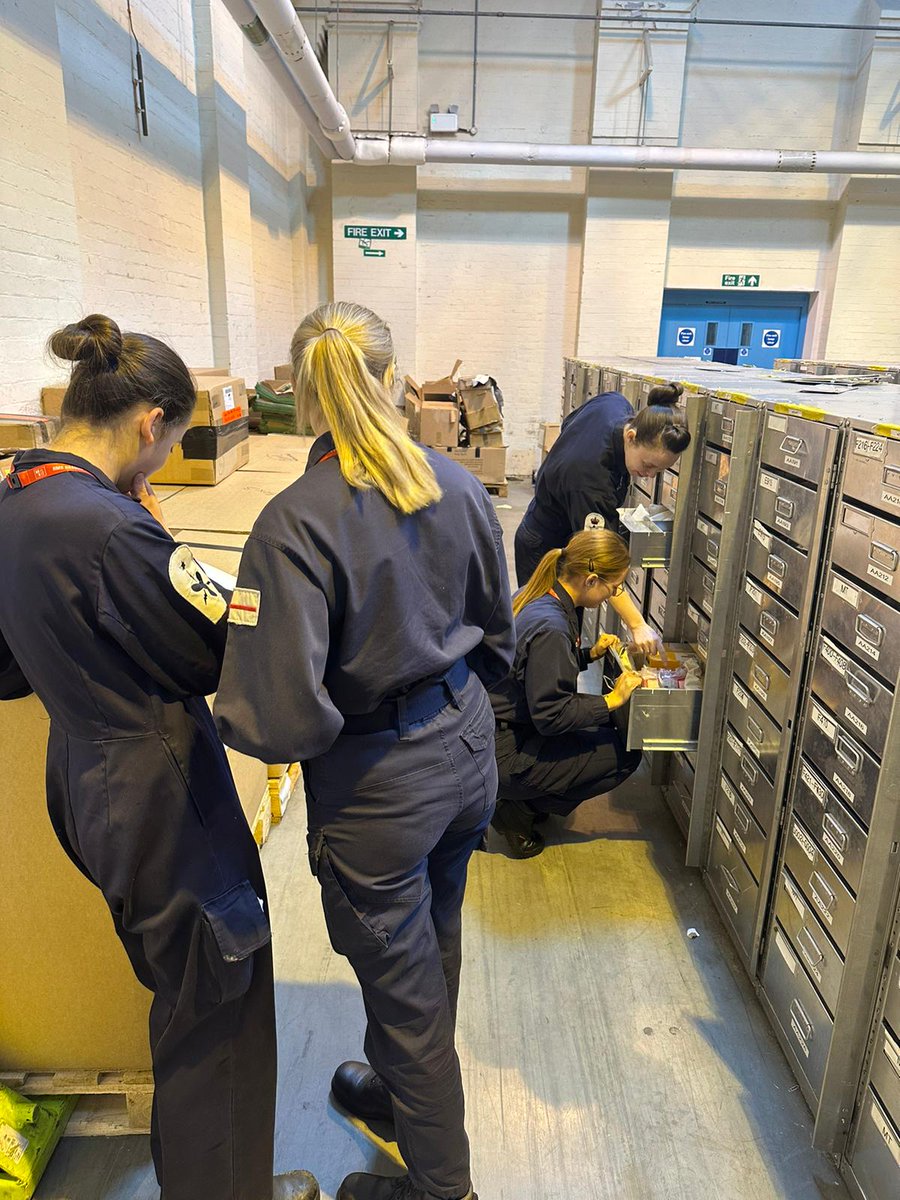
740,281
376,233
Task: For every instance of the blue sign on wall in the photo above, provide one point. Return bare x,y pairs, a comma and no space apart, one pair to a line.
686,335
771,338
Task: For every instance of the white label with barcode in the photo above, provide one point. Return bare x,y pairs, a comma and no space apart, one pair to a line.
228,395
847,593
13,1144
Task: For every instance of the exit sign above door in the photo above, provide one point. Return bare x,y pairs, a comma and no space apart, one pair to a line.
740,281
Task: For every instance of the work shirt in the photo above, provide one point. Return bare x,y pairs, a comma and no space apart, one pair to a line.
101,613
584,472
343,601
541,690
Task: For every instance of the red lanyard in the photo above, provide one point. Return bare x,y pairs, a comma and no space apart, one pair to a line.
22,479
552,592
326,456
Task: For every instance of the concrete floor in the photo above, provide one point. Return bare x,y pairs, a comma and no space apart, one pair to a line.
606,1055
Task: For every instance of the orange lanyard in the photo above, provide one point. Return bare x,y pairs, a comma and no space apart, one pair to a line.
325,457
22,479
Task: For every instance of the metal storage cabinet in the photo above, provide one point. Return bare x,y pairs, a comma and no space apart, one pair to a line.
777,597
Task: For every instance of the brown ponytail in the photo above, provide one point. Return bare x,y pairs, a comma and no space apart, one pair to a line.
597,552
116,372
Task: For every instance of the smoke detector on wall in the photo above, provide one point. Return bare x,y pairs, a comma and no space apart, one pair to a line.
443,122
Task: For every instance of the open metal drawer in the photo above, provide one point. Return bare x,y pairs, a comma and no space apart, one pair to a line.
650,537
657,718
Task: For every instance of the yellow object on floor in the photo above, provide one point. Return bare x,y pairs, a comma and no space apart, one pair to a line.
29,1131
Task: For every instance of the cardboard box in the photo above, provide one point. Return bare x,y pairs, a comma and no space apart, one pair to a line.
413,413
442,389
480,407
232,507
221,400
180,468
488,463
439,423
69,999
284,372
51,400
26,431
551,433
489,436
202,372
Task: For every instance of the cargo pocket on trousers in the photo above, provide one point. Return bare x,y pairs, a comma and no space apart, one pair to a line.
235,926
358,924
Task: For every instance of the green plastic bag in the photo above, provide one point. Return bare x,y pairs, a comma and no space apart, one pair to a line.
29,1131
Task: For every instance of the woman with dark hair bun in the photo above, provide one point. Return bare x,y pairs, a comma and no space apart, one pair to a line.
121,634
601,446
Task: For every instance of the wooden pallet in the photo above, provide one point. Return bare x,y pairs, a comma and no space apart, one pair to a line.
112,1103
498,489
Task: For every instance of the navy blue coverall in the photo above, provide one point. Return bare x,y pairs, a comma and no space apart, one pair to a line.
583,473
121,635
361,643
555,747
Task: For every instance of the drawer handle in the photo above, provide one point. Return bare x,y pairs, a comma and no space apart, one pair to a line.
822,892
728,424
848,752
759,675
810,952
748,768
834,831
755,731
712,550
777,566
801,1020
768,623
890,477
703,638
709,585
859,686
870,631
730,882
784,508
884,555
793,445
741,818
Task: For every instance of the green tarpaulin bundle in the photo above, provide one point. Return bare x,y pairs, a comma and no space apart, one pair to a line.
29,1131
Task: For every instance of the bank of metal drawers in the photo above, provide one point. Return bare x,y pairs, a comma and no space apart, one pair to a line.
746,773
875,1165
715,466
768,681
862,623
854,693
872,474
706,542
813,947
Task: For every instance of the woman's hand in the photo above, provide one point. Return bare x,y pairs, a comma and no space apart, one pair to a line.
142,491
645,638
628,682
606,641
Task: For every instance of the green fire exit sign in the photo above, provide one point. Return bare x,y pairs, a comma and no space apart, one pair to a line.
376,233
740,281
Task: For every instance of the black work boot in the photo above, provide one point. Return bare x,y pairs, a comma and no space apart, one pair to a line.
515,821
381,1187
296,1185
362,1092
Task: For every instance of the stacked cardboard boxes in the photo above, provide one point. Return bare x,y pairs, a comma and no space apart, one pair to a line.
25,431
217,443
461,419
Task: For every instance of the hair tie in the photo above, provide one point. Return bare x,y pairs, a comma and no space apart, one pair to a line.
332,329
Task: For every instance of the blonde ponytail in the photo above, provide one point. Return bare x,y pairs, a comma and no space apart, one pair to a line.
343,356
543,579
597,552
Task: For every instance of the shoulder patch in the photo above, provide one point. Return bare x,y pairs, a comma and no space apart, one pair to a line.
594,521
244,607
192,583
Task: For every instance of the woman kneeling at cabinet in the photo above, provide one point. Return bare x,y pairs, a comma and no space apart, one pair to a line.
555,746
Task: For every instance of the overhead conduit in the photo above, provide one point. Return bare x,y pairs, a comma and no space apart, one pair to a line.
279,19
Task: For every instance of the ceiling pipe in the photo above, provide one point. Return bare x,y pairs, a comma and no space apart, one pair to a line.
282,22
258,37
415,151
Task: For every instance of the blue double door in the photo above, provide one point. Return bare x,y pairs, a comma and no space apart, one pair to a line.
747,330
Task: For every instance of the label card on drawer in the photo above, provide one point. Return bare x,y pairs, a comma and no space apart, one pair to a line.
723,834
856,721
753,592
881,575
779,424
862,644
733,742
887,1133
740,695
785,950
804,842
769,482
825,723
761,536
795,897
869,447
717,406
746,644
847,593
813,784
711,456
891,498
729,791
842,787
791,461
837,661
703,526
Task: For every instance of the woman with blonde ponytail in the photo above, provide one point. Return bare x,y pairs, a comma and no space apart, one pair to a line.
556,747
372,612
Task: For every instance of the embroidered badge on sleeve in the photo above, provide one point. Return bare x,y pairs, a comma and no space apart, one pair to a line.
192,583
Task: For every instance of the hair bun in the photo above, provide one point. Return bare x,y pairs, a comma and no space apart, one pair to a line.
95,341
665,393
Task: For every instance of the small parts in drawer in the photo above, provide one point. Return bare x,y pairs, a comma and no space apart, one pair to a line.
669,671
